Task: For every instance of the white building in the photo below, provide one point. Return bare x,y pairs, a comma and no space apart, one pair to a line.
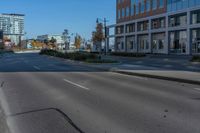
59,39
12,26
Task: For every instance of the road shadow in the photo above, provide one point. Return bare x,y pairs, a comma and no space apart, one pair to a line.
33,62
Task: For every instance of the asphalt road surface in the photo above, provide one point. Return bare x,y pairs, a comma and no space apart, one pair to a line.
40,94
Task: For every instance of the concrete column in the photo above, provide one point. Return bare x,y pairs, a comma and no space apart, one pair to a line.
136,38
150,38
167,48
188,44
136,43
125,46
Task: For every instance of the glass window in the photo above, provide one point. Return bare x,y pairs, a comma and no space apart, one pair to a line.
195,17
136,9
130,28
183,20
119,14
148,6
178,40
127,11
132,10
154,4
119,29
185,4
143,43
143,26
178,20
122,45
123,12
142,6
158,23
192,3
130,43
196,41
161,3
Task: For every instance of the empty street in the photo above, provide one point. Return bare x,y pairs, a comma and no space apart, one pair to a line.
41,94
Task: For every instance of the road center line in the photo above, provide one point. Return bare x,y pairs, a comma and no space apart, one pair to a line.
36,67
85,88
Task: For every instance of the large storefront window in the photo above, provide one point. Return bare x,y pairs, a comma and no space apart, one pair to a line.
196,41
120,29
158,23
130,43
178,20
130,28
143,43
195,17
120,44
158,42
143,26
178,40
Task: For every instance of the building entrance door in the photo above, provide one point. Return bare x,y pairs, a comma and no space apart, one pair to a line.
143,44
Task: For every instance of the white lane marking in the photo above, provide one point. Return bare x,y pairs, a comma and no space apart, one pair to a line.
198,89
36,67
83,87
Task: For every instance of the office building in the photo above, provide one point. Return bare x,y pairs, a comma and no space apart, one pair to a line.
59,39
12,26
158,26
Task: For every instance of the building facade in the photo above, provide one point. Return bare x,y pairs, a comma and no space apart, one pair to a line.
158,26
1,39
12,26
59,39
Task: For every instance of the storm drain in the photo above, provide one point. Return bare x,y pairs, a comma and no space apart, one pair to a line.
49,120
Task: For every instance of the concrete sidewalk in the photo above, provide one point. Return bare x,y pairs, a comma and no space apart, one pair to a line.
178,76
161,62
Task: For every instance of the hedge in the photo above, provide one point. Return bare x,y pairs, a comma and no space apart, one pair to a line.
73,56
125,54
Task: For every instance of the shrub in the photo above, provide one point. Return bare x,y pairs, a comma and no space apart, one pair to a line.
125,54
100,61
196,58
73,56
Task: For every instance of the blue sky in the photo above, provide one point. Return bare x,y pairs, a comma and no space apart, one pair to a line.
53,16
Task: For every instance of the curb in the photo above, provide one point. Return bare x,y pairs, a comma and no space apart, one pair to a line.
159,77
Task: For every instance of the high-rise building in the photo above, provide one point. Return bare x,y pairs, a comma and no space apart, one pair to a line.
158,26
12,26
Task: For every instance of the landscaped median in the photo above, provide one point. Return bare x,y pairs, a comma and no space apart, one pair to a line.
196,58
77,56
125,54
